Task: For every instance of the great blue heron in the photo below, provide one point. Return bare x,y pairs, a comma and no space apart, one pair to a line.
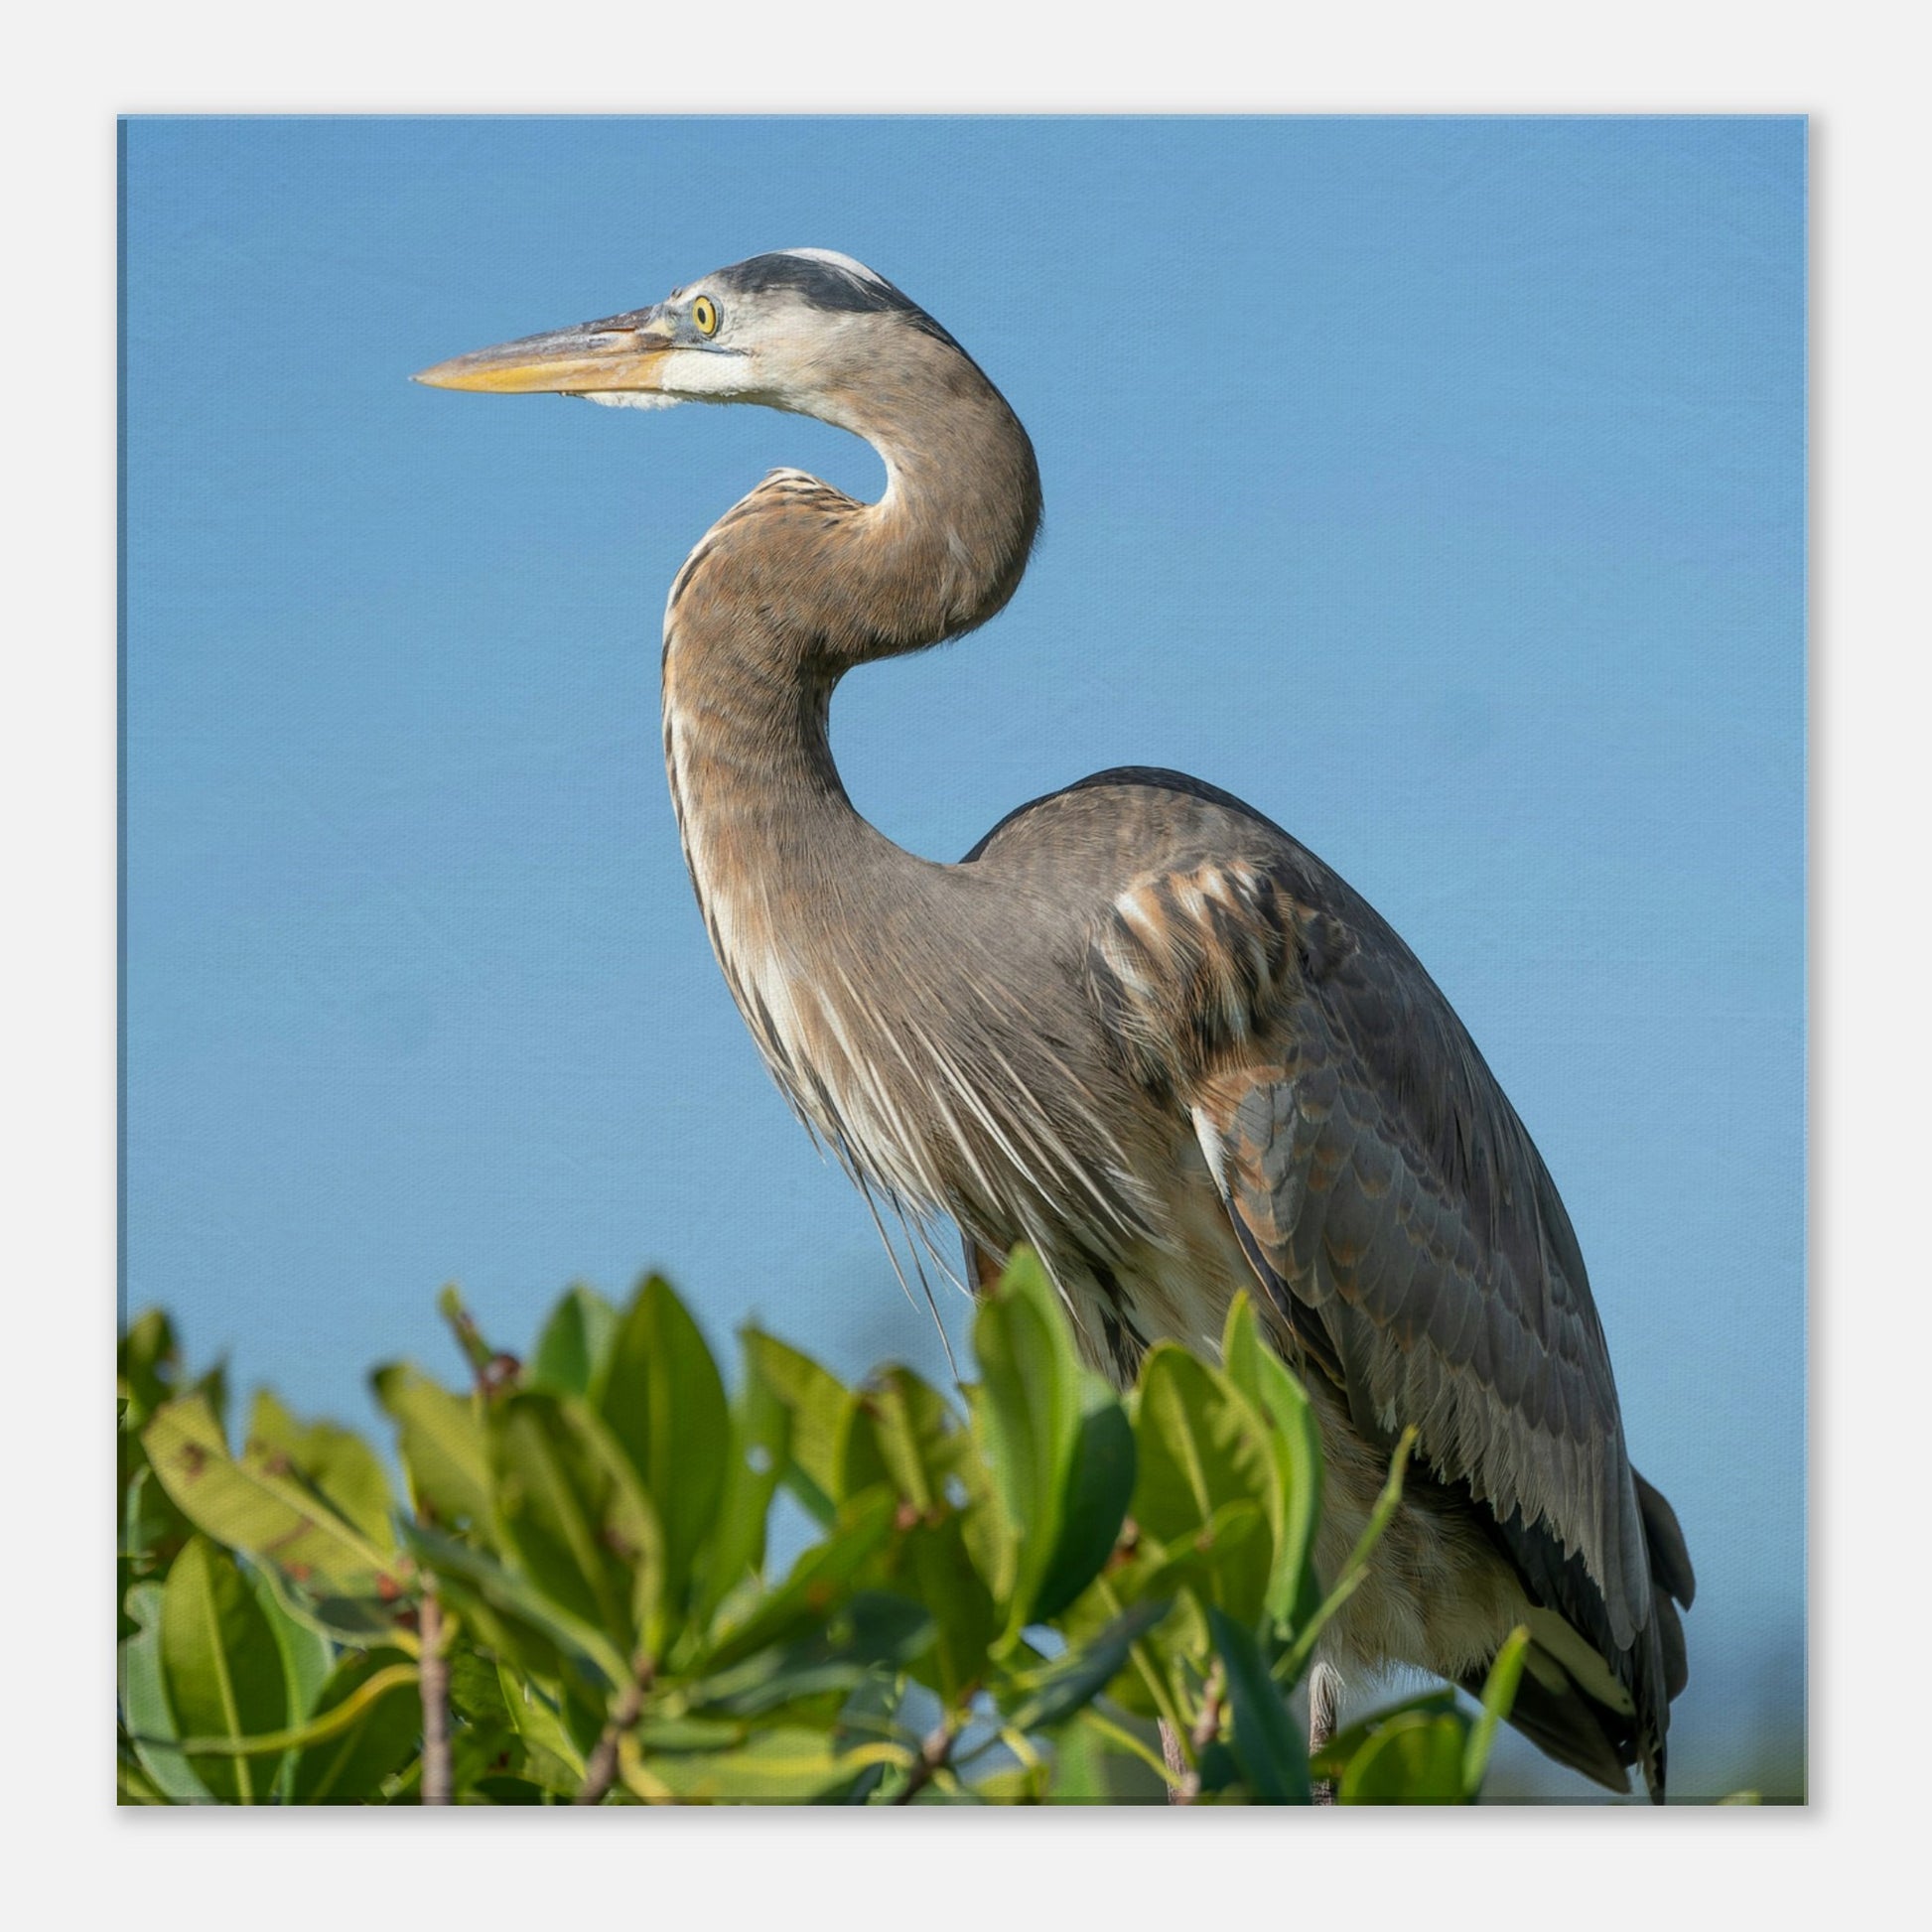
1139,1025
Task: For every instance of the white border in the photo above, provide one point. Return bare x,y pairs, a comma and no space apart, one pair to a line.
1850,66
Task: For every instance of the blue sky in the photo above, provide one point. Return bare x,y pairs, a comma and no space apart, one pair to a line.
1436,485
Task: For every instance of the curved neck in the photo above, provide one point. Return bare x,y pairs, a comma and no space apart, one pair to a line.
798,582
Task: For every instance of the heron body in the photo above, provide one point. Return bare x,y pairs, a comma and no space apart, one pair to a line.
1139,1027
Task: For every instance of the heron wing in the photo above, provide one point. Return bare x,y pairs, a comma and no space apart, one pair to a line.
1393,1208
1390,1200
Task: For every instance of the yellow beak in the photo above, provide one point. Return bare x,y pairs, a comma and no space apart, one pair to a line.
623,352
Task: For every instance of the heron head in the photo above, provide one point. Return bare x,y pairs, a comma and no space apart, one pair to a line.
802,328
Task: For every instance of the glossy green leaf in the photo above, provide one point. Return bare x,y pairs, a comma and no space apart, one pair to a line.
825,1577
820,1407
1201,1446
1498,1699
132,1784
574,1519
913,1440
934,1565
905,1434
349,1768
1041,1699
1415,1759
254,1507
306,1657
1294,1659
221,1667
442,1443
153,1529
1333,1759
1266,1740
1293,1499
754,1465
514,1616
149,1361
663,1403
554,1759
336,1466
1014,1784
144,1704
1081,1766
869,1633
1029,1411
1097,1488
357,1622
777,1766
573,1354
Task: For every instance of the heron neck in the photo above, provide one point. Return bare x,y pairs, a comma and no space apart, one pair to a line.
797,584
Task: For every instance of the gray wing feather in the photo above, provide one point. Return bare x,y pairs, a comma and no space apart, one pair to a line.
1383,1187
1398,1199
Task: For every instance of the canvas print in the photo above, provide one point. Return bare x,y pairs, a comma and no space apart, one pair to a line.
977,979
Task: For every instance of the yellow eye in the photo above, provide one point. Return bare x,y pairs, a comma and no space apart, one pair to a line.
704,315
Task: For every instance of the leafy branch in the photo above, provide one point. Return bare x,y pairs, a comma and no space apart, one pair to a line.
575,1598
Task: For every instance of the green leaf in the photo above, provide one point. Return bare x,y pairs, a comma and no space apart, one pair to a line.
1294,1659
306,1657
1498,1697
221,1666
871,1631
153,1529
573,1517
825,1577
820,1407
442,1443
1295,1443
1041,1699
573,1353
1415,1759
1200,1448
1031,1411
144,1704
149,1365
555,1761
332,1464
1098,1486
1333,1759
761,1435
914,1438
349,1767
933,1561
1266,1741
1080,1766
512,1615
663,1403
783,1765
252,1507
904,1434
132,1784
1014,1784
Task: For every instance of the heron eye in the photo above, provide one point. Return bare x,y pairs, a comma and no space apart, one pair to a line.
704,315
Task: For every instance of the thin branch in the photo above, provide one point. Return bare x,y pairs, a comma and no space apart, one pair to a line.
433,1676
1207,1728
1175,1761
931,1760
601,1768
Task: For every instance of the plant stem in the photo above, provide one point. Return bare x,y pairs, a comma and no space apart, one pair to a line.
601,1769
432,1678
1207,1728
931,1759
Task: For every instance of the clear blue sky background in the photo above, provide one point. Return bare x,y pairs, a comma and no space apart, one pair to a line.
1436,485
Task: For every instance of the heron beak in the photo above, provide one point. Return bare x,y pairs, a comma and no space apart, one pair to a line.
623,353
